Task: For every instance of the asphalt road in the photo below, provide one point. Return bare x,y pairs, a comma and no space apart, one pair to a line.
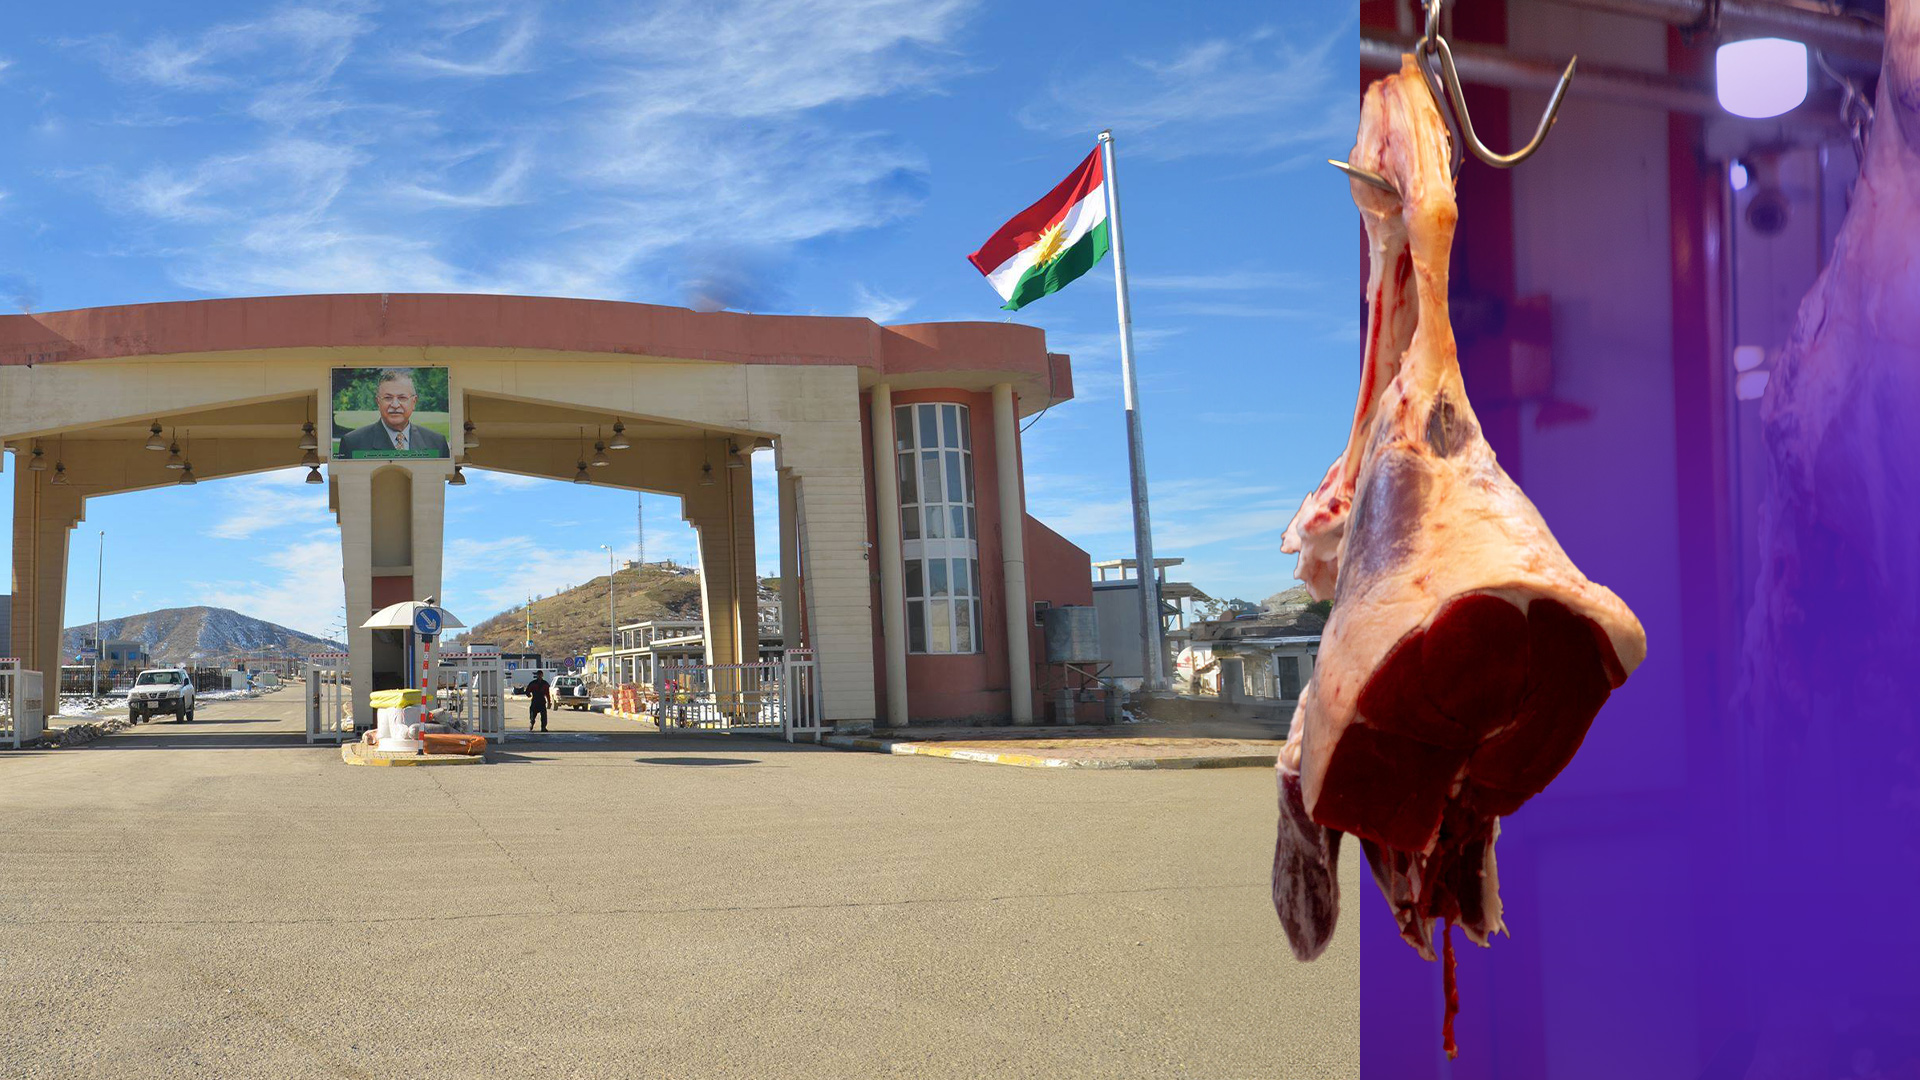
220,899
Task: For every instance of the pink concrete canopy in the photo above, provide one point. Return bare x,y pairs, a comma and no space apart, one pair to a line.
967,355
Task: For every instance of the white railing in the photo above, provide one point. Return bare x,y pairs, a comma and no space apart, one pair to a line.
782,695
477,695
329,698
719,695
23,708
803,714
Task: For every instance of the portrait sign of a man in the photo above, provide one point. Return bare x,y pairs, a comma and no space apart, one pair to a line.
389,413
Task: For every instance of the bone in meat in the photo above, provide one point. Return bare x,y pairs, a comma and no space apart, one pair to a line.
1466,655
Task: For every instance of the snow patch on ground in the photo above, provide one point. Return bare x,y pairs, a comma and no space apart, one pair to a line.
86,706
227,695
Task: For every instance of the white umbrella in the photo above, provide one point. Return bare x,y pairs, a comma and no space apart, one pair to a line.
400,617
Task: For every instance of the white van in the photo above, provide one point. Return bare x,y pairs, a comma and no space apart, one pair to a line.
518,678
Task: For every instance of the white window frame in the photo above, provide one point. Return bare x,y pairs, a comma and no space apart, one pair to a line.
937,622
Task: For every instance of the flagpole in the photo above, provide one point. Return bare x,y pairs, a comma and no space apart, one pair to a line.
1152,648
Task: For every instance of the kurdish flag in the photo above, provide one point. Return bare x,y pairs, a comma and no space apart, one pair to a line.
1051,242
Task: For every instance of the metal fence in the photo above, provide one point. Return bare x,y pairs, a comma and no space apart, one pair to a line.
719,695
477,696
23,705
803,713
781,695
329,700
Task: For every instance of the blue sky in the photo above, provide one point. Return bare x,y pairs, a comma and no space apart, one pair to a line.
769,155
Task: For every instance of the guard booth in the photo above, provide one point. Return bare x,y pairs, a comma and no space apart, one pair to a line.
468,688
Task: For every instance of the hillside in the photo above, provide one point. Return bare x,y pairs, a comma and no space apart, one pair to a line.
198,634
569,623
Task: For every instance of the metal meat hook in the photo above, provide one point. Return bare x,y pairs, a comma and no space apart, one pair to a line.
1443,82
1364,176
1460,123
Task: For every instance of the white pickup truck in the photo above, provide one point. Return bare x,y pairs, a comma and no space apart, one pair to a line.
161,690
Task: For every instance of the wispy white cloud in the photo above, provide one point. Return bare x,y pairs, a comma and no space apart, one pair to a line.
878,306
508,481
495,574
299,586
305,40
512,54
1227,526
506,188
258,504
699,131
1231,281
1237,310
1252,94
774,58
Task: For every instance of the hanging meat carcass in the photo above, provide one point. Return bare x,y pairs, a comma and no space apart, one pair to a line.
1466,655
1827,699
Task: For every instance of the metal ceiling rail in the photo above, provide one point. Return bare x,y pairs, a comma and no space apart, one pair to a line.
1491,66
1835,35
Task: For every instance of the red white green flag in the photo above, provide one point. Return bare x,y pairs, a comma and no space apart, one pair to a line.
1051,242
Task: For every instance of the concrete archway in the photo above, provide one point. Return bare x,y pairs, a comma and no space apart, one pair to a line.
690,382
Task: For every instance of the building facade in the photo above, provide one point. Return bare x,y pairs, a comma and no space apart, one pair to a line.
908,562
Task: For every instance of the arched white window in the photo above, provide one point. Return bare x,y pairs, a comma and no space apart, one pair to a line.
933,446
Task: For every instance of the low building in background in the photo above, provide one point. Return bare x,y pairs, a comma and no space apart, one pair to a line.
1266,654
116,655
1116,595
647,646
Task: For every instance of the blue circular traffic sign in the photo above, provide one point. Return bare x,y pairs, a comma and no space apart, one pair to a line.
426,621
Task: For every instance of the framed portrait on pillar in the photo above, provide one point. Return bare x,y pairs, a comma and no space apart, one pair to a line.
387,413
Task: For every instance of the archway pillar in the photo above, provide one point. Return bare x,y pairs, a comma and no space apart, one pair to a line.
384,560
830,500
722,517
43,519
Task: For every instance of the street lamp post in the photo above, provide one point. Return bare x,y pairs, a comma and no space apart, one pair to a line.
611,647
99,639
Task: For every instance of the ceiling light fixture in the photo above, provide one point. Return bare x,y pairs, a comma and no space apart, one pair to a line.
174,460
155,442
313,475
307,439
734,460
310,459
38,461
458,479
186,465
619,437
706,474
60,474
468,436
600,455
1760,77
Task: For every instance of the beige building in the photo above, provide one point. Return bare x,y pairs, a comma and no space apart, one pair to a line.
101,401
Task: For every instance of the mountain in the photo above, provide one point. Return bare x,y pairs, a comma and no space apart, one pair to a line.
199,635
570,622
